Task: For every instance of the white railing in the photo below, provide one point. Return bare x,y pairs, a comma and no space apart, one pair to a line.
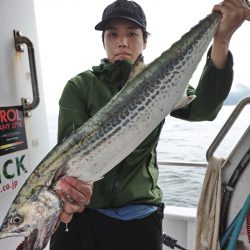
182,163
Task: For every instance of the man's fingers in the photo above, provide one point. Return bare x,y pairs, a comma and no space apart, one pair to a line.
71,207
74,190
66,218
75,195
81,192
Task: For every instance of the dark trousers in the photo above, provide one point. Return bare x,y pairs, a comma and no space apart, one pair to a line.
91,230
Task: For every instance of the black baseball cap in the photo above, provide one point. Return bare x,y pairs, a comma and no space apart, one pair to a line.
129,10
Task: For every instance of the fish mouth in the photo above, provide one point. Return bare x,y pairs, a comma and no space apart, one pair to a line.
39,237
21,232
29,242
21,246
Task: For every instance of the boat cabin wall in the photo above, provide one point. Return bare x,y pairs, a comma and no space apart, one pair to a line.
24,137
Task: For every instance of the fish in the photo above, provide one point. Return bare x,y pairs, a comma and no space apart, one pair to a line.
108,137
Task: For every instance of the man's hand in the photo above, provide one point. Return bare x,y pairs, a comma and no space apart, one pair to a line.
234,13
75,194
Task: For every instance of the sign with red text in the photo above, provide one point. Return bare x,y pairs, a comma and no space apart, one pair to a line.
12,130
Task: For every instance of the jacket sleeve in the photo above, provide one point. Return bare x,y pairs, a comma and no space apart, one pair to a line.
213,88
72,109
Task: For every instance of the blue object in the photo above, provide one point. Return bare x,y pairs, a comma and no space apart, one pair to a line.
129,212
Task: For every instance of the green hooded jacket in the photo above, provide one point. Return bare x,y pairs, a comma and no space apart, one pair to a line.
134,180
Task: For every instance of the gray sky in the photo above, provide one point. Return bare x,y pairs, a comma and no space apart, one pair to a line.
68,43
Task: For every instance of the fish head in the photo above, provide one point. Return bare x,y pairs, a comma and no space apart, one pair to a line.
34,218
16,223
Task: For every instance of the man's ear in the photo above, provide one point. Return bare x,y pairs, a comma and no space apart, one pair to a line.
103,38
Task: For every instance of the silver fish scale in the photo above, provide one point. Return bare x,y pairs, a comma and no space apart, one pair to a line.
138,108
111,128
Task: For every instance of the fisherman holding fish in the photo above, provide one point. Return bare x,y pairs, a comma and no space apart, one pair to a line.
124,209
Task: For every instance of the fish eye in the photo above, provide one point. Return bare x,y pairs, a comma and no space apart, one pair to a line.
17,219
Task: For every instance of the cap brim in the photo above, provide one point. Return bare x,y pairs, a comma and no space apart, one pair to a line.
101,25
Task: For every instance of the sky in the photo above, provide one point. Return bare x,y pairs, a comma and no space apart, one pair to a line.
69,44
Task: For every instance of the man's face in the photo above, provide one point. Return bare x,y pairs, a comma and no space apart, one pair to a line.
123,40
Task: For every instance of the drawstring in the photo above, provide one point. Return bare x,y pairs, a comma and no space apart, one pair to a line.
66,227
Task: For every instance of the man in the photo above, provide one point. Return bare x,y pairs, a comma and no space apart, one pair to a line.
124,209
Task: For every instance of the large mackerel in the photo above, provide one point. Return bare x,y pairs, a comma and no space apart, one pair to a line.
108,137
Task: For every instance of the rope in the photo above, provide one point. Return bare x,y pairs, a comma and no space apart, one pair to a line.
229,191
233,231
248,226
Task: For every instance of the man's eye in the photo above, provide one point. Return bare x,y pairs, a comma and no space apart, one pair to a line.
112,34
132,34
